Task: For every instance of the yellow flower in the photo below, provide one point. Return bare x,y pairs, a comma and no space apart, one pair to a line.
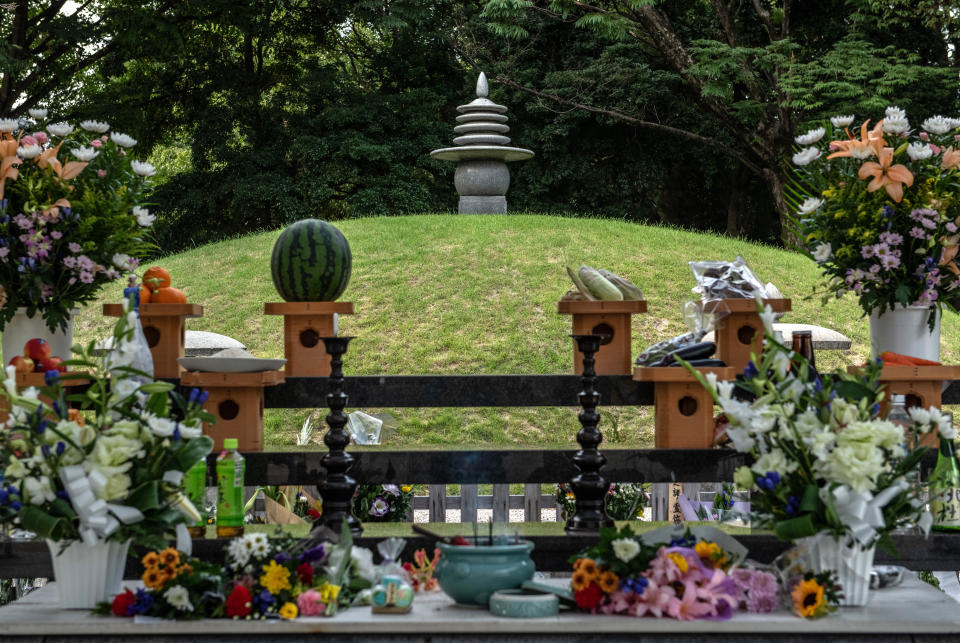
608,581
679,561
288,611
328,592
579,580
170,556
275,578
153,578
711,552
589,567
406,488
151,560
807,598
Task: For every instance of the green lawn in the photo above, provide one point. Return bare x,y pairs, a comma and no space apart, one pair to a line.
477,294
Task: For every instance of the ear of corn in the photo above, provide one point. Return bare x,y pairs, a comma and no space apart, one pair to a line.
627,287
598,285
579,284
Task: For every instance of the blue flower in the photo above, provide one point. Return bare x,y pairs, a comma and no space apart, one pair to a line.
751,370
4,497
793,505
876,409
15,505
202,398
263,600
41,427
63,495
282,558
818,384
61,446
143,603
194,394
46,450
51,376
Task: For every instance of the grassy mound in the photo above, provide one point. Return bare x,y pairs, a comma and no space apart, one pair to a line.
477,294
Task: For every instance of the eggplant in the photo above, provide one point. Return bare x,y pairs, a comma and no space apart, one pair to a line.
700,350
702,363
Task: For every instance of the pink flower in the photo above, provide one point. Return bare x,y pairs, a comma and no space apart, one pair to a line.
4,252
654,600
41,137
689,607
74,247
951,227
917,233
101,173
28,140
104,138
96,142
310,604
924,136
756,590
936,150
56,234
86,277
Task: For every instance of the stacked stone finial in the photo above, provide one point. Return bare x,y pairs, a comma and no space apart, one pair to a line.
482,154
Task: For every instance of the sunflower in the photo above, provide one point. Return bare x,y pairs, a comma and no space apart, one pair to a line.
807,598
608,581
151,560
579,580
170,556
589,567
153,578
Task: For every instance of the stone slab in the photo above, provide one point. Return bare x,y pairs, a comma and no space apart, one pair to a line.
911,608
824,339
483,205
197,343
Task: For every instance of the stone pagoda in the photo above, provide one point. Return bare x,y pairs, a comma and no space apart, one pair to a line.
482,154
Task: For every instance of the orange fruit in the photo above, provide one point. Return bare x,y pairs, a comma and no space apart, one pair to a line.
168,296
155,278
144,294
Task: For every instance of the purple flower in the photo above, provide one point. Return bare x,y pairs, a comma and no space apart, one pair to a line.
891,238
868,252
282,558
22,222
86,277
918,214
380,507
917,233
74,247
392,489
890,261
312,555
930,224
951,227
756,590
56,234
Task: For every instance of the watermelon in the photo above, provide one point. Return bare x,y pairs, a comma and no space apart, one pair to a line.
311,262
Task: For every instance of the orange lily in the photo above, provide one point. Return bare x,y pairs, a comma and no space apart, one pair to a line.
68,171
950,249
870,143
8,159
951,159
893,178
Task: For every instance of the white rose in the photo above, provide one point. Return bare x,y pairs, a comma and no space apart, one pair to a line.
774,460
116,450
161,427
808,423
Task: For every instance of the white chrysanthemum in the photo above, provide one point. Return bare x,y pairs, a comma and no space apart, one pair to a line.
179,597
810,205
919,415
822,253
239,551
123,140
944,423
954,122
625,549
856,465
895,112
895,125
806,156
260,546
84,153
9,124
37,114
842,121
937,125
98,127
62,128
29,151
725,390
917,151
144,218
811,136
121,260
142,168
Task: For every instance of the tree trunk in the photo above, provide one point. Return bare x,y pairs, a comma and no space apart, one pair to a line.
775,178
737,202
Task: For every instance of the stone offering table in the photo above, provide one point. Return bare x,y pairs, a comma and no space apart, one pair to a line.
913,611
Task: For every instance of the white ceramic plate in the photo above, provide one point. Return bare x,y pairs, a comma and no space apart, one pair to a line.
231,364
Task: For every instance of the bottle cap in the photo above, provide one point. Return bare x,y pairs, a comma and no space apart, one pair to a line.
230,443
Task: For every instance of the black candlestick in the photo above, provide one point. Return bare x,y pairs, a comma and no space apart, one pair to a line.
589,487
338,488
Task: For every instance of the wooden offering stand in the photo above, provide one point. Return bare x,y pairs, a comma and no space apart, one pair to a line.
739,329
610,320
305,323
236,399
683,408
164,326
26,380
921,385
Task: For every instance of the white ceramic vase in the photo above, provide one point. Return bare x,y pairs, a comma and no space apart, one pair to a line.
905,330
851,563
87,575
22,329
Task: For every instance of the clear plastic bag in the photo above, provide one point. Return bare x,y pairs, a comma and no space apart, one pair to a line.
726,280
699,323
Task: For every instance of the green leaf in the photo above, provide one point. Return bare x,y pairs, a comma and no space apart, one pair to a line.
810,502
146,496
799,527
157,387
43,524
193,451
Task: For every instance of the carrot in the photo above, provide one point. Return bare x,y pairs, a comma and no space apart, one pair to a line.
897,359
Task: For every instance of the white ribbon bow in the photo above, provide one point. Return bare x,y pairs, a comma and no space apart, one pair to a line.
862,512
98,519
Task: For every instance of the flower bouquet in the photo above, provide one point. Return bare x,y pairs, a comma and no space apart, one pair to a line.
108,474
383,502
264,578
624,500
881,215
71,214
825,465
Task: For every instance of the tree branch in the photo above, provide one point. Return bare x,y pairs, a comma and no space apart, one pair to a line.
717,145
765,19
